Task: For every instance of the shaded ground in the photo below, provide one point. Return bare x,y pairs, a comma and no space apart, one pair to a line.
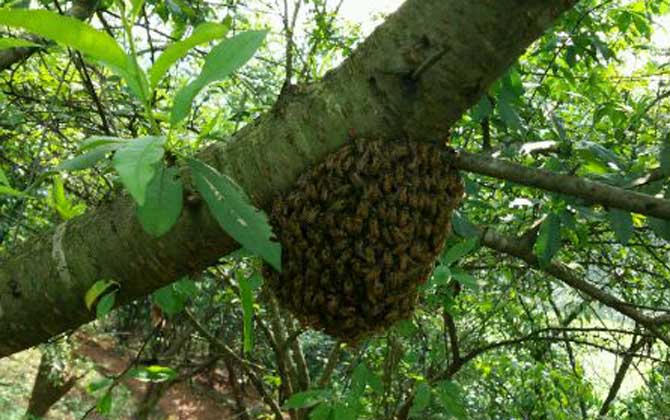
180,402
205,400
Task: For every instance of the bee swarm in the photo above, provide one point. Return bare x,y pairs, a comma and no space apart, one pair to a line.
360,232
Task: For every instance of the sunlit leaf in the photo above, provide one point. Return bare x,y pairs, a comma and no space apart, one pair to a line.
98,289
234,212
223,60
6,43
204,33
136,164
68,31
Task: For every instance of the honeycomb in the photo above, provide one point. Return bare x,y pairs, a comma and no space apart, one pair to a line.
360,232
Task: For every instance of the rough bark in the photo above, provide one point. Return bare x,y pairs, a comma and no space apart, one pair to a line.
51,384
414,76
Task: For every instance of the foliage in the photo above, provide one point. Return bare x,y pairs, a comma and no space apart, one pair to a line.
104,110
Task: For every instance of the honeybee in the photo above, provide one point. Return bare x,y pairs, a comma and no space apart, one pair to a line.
373,229
363,210
402,195
387,183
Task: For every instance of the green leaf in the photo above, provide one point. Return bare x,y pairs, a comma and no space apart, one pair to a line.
168,300
163,203
342,411
224,59
3,178
5,190
459,251
421,399
58,200
449,396
110,143
508,114
665,156
549,240
465,279
441,275
321,412
104,405
660,227
483,109
306,399
622,224
98,385
6,43
86,160
247,298
105,305
462,226
136,164
153,373
204,33
70,32
98,289
236,215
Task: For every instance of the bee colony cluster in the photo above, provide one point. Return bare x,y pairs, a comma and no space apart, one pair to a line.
360,232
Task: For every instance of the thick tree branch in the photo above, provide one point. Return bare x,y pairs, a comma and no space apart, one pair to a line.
43,283
590,191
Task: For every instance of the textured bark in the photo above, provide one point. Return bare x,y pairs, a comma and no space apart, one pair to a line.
590,191
51,384
81,9
454,48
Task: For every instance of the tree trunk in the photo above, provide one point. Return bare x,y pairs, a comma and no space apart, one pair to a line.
51,384
413,77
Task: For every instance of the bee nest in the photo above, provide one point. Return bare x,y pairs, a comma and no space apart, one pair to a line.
360,232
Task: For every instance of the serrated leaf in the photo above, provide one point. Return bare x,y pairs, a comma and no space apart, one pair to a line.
136,164
236,215
79,35
622,224
105,305
163,203
306,399
224,59
459,251
549,240
204,33
6,43
98,289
